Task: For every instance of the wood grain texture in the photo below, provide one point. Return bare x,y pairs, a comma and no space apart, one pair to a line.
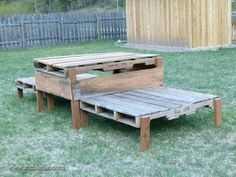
84,119
179,23
50,102
144,133
40,101
76,114
85,63
217,113
53,85
121,82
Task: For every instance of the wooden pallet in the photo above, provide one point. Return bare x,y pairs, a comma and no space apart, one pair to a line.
61,65
130,106
137,107
25,84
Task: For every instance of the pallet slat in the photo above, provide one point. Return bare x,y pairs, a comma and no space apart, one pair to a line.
105,61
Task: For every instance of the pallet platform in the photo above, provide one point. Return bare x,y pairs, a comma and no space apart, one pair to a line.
25,84
101,61
130,106
132,93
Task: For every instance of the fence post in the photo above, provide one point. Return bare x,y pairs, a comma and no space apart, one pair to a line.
61,36
22,33
98,28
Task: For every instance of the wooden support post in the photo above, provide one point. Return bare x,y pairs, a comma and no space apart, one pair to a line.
144,133
50,102
39,100
72,75
159,65
217,113
20,93
75,111
84,118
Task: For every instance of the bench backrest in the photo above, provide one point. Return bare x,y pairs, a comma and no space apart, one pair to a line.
139,76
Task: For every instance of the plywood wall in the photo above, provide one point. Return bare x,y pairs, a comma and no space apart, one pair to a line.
185,23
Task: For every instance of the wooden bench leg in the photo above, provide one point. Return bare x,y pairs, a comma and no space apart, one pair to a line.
217,113
75,111
39,100
20,93
50,102
84,119
144,133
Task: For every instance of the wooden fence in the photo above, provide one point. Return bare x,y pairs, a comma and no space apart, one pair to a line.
51,29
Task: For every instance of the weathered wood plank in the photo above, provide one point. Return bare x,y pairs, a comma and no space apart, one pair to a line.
53,85
81,57
147,100
185,93
120,82
143,104
166,95
28,80
157,98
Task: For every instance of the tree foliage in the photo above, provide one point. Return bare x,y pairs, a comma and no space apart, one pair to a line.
45,6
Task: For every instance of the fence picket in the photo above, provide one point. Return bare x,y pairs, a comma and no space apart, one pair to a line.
50,29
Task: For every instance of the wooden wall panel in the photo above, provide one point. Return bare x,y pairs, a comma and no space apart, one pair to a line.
182,23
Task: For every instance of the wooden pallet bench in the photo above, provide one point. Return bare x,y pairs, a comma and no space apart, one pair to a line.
131,93
63,76
25,84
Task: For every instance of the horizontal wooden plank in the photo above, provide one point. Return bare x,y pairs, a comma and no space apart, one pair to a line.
169,96
184,93
54,85
89,61
158,98
62,58
141,106
120,82
27,80
147,100
73,58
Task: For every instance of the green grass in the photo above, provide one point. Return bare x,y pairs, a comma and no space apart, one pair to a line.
189,146
14,7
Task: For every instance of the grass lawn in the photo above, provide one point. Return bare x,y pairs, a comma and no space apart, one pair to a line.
189,146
